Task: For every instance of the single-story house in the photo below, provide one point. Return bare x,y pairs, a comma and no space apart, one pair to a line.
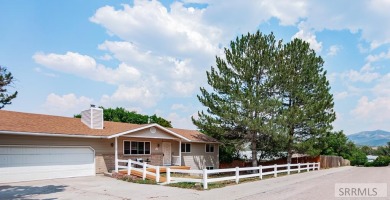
36,146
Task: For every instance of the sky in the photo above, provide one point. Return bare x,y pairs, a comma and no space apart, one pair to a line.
152,56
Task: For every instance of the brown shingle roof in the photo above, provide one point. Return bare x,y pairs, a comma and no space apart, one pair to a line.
39,123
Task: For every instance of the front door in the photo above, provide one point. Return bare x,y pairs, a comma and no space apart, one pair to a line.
166,148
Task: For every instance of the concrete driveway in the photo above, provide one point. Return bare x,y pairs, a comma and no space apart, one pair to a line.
310,185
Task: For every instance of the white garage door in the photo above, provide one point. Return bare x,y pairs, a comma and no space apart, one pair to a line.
26,163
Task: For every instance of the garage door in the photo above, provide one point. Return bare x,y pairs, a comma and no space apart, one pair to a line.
26,163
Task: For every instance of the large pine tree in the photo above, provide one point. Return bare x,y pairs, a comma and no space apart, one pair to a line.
307,111
241,105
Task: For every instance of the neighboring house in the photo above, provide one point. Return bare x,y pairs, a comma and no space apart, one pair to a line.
371,158
36,146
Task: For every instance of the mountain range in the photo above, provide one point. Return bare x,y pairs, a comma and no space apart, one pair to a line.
370,138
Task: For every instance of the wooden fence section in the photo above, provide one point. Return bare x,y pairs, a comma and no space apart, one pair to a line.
333,161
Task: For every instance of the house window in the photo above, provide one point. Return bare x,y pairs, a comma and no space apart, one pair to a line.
136,148
209,148
209,167
185,147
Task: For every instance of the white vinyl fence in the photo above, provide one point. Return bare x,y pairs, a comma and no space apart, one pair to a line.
259,171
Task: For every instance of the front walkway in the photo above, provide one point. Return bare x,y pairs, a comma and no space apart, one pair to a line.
310,185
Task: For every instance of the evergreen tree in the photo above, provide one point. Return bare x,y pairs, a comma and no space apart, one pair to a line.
241,106
307,111
6,79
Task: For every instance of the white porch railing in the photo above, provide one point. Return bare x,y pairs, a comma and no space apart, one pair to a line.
276,169
131,166
176,160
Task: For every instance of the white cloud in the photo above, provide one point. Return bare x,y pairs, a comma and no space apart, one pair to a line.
333,50
366,74
180,107
39,70
127,52
246,16
150,24
368,17
375,111
133,95
178,74
341,95
106,57
382,88
85,66
381,56
66,105
308,35
179,121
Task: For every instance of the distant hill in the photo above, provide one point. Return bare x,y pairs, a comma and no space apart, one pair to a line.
370,138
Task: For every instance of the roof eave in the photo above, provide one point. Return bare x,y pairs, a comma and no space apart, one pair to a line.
50,134
149,126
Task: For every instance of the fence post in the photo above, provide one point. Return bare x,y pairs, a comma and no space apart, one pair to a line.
129,167
237,175
299,168
288,168
261,172
275,170
144,171
314,166
319,164
157,174
308,166
205,178
168,175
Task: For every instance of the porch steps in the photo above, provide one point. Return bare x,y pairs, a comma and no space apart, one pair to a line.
148,176
153,177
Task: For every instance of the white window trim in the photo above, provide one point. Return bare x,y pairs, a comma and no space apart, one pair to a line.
123,146
205,148
186,148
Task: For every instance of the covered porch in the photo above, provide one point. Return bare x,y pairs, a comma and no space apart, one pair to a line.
152,145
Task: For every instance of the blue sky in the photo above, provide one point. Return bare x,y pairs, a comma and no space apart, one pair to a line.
151,56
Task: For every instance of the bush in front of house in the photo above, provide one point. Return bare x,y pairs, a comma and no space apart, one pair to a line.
381,161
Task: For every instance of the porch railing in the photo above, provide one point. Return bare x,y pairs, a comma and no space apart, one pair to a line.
131,165
176,160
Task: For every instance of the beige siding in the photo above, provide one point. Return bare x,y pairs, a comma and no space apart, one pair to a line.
199,159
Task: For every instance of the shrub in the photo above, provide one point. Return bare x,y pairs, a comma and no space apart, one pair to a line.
381,161
369,164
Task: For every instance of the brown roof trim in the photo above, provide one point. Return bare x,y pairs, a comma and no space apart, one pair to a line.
51,134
